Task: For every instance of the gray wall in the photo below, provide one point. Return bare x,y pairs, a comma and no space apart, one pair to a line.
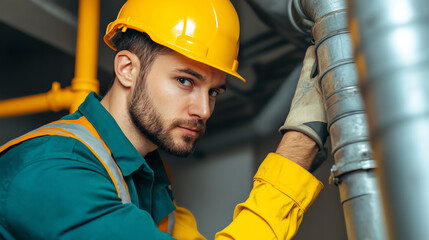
212,186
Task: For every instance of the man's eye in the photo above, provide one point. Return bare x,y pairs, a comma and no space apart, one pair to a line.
184,81
213,93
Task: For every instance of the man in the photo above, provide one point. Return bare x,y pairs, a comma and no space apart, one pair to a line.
96,174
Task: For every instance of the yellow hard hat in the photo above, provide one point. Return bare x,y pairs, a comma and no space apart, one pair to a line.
204,30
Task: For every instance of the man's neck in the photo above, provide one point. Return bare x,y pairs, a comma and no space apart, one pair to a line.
116,104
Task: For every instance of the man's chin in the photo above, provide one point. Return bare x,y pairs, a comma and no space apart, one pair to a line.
184,149
179,152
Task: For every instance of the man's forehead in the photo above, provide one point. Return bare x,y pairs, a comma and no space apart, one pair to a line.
199,70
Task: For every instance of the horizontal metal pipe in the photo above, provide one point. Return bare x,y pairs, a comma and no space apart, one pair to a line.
283,18
390,42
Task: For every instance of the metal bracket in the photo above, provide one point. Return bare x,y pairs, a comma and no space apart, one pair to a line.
341,169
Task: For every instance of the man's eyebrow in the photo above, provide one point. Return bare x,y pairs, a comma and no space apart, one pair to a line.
197,75
191,72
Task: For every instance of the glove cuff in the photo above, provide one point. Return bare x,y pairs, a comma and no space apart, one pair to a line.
315,130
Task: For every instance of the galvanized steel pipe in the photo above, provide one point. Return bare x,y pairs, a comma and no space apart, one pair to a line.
392,52
353,171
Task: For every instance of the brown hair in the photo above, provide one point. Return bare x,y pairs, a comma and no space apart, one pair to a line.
141,45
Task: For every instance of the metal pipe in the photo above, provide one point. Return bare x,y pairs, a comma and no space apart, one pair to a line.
353,171
85,79
392,54
284,19
54,100
62,23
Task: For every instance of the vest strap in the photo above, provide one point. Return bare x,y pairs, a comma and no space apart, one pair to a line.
78,129
96,146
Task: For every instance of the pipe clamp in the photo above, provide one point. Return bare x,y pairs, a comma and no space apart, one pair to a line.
340,169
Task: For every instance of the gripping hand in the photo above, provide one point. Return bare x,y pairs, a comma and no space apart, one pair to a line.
307,114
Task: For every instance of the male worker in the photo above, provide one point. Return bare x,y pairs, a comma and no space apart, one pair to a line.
96,174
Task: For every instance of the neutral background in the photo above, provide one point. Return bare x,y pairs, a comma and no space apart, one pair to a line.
38,39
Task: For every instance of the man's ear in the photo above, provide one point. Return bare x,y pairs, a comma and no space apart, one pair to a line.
127,66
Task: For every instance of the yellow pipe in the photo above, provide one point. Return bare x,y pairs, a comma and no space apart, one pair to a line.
54,100
85,79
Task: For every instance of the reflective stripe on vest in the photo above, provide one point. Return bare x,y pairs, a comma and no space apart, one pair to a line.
82,134
171,218
98,147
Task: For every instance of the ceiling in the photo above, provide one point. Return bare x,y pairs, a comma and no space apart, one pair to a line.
38,44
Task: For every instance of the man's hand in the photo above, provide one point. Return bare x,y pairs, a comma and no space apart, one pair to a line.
306,117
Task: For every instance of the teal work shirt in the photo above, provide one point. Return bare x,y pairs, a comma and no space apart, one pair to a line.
53,187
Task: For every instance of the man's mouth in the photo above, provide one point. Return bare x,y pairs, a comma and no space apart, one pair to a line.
191,131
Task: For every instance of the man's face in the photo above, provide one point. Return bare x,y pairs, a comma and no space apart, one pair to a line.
173,103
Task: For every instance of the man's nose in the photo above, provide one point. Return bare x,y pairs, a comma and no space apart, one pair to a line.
200,106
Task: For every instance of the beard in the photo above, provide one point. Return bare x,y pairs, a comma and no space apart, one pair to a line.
149,122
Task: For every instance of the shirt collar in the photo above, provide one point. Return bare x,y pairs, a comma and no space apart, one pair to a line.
125,154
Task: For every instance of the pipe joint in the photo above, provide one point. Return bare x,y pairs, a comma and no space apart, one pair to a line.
315,9
58,99
330,25
340,169
85,84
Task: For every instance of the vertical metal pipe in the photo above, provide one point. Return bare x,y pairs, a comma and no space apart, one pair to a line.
353,171
85,79
392,55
